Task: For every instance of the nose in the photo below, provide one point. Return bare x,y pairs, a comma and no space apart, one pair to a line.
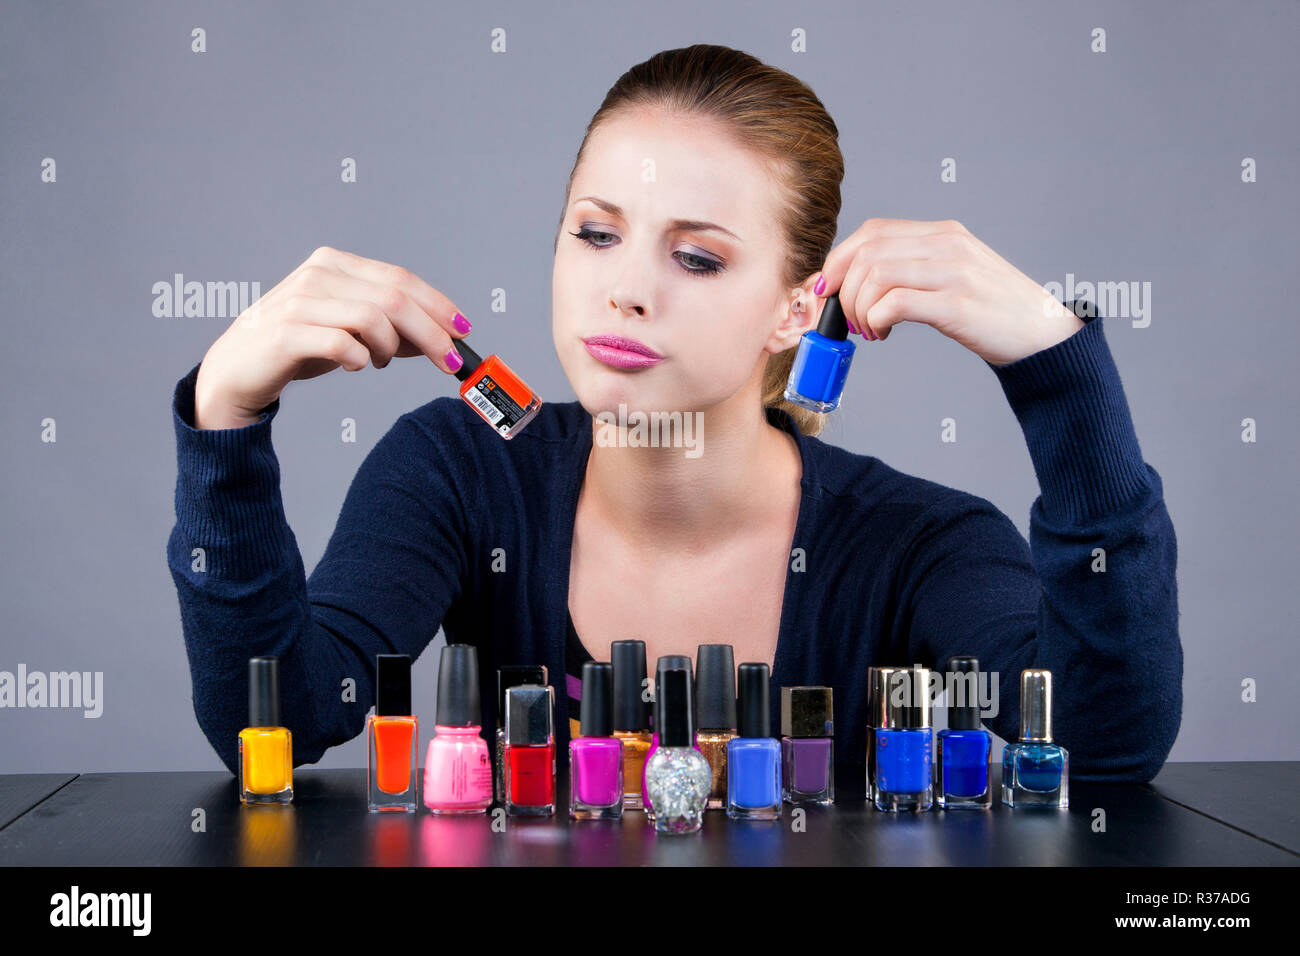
627,305
631,280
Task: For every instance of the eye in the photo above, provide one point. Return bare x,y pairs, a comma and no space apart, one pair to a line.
706,267
586,235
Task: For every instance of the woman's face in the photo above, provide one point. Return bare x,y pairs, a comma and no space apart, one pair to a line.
710,301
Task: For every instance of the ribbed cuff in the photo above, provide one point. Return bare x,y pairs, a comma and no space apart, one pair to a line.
228,488
1071,406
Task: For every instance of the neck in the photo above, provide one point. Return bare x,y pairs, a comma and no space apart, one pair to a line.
657,498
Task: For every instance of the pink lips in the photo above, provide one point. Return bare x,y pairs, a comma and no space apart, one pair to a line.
620,352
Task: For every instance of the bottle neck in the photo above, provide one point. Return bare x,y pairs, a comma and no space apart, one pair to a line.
472,730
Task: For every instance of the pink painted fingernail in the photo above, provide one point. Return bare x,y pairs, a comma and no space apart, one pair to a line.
820,287
852,328
454,361
461,323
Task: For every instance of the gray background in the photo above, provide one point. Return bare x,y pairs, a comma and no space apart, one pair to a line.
1123,166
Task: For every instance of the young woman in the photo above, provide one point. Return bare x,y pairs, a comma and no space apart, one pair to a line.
694,249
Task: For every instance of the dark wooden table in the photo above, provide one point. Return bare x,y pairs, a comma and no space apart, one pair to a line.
1193,814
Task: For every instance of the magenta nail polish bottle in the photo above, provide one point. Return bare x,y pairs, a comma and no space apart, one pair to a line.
596,757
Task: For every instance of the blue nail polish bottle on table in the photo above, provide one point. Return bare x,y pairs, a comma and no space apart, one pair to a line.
821,363
753,757
962,761
1035,770
904,743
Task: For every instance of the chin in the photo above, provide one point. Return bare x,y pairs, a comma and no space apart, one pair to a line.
603,389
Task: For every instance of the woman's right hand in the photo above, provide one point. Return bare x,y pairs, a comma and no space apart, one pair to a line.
335,309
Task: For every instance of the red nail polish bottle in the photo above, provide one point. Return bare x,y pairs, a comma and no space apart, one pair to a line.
530,751
501,397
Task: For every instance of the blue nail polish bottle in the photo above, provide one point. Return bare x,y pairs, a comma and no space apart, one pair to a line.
753,757
822,362
904,741
1035,770
962,762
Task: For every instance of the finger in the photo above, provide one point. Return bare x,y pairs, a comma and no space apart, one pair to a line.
883,249
410,323
880,278
935,308
326,342
841,257
362,319
433,302
869,279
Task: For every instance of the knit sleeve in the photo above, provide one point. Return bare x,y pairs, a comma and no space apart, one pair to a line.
391,570
1091,597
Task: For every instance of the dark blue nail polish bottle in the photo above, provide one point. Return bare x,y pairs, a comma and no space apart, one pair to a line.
962,762
904,742
753,757
821,364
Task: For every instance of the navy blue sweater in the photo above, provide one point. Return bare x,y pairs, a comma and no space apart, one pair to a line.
900,569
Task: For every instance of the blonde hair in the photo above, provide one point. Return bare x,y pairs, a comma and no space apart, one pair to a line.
778,117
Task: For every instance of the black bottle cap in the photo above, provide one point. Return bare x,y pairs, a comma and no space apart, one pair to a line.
674,706
516,675
472,359
673,660
715,687
664,663
966,690
833,324
392,685
631,710
807,711
597,699
264,692
530,715
458,691
755,704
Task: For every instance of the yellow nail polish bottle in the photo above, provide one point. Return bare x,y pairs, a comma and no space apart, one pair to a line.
265,748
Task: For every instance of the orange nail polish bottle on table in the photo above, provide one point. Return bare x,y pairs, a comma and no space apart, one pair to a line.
265,748
500,396
393,732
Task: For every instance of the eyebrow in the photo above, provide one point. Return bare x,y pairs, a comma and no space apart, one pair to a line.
677,225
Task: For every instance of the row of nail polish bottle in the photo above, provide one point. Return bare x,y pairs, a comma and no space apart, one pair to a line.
903,776
614,743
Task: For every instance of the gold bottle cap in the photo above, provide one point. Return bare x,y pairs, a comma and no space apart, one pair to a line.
1036,705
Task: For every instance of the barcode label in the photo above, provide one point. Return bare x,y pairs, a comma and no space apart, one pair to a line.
493,413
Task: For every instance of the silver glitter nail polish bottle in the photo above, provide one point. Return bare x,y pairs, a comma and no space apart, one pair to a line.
677,777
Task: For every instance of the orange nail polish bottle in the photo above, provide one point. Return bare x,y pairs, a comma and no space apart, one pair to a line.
500,396
394,734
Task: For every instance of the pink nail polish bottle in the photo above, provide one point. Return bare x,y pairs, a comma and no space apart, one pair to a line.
457,765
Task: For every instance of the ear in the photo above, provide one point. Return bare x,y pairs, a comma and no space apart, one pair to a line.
800,313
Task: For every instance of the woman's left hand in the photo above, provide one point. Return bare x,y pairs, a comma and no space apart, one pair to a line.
938,274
